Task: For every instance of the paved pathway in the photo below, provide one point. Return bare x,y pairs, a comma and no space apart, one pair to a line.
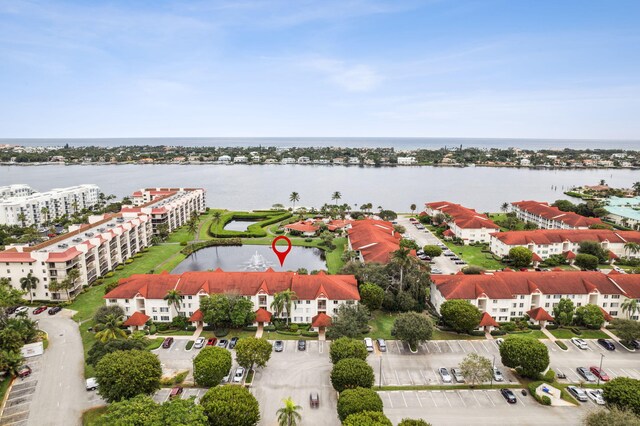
548,334
424,237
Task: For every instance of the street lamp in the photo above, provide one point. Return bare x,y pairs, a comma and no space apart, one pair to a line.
600,371
493,367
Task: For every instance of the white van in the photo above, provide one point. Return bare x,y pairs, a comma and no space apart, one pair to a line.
369,344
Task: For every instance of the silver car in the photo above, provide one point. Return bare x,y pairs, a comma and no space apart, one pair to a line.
578,393
200,341
237,378
497,375
596,396
588,375
444,373
457,374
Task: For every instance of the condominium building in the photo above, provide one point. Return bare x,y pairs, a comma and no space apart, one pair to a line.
545,216
509,295
18,190
170,206
464,223
407,161
142,296
39,208
624,211
373,240
94,249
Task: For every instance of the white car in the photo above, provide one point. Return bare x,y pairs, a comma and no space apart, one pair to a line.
581,344
457,374
200,341
497,375
21,309
446,377
368,342
596,396
499,341
91,384
237,378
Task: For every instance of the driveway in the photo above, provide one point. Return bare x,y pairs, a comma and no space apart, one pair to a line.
55,392
424,237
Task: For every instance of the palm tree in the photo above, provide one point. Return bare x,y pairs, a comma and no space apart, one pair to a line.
504,207
288,296
289,415
111,330
278,304
192,227
45,212
336,196
28,283
174,298
636,188
630,306
22,218
413,208
12,361
294,197
401,258
632,247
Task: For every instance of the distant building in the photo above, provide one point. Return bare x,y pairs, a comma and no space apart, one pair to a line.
19,190
288,160
354,160
464,223
525,162
548,217
304,160
624,211
338,161
407,161
240,159
224,159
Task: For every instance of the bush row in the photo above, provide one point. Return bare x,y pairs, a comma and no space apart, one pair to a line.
191,248
253,231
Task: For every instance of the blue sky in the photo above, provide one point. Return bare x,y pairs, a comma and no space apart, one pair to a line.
439,68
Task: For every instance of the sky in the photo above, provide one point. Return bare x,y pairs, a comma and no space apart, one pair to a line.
361,68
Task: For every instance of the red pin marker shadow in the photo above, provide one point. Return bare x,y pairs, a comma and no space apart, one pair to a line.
282,255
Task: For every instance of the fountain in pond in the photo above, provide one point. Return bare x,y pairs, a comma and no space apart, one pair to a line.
257,263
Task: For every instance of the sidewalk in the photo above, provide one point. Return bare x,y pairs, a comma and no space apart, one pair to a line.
548,334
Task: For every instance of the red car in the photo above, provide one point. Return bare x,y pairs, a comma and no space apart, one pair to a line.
212,341
24,371
599,373
40,310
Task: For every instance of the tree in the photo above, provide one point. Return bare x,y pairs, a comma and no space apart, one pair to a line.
528,356
125,374
163,231
636,188
432,251
227,310
230,406
563,311
350,321
11,340
289,415
29,283
521,256
182,412
631,307
623,393
294,198
287,297
251,351
586,262
141,410
111,329
345,347
476,368
388,215
371,296
460,315
192,226
211,365
564,205
69,282
401,258
174,298
593,248
100,317
413,422
590,316
611,417
357,400
504,207
413,328
22,218
277,305
11,362
99,349
627,330
336,196
409,244
9,296
367,418
413,208
351,373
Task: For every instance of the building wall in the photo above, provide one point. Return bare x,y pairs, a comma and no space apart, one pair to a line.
541,222
499,248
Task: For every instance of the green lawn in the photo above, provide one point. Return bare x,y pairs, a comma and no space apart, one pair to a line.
90,417
473,255
180,235
4,385
533,334
334,257
565,333
175,333
155,343
381,324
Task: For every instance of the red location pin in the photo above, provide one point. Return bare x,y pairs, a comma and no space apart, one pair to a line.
282,255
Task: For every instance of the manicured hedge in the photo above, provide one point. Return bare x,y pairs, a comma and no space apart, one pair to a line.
265,218
191,248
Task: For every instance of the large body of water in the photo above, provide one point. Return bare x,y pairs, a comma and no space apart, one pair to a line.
245,187
397,143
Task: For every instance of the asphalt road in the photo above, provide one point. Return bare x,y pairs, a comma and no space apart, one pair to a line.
424,237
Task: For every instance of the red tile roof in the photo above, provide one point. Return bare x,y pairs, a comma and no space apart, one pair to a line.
548,212
536,258
569,255
138,319
607,316
551,236
197,316
539,314
13,256
448,233
374,239
156,286
463,217
321,320
262,315
338,224
506,285
302,226
628,283
488,321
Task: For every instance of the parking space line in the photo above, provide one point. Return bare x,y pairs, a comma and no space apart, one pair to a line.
426,346
460,344
426,381
475,397
447,398
437,346
489,398
410,378
398,346
472,346
433,399
403,399
521,401
449,344
397,377
485,347
462,400
625,373
389,396
419,402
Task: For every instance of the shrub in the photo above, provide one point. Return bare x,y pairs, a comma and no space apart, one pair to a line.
432,251
119,267
293,327
308,240
549,376
351,373
476,333
345,347
211,365
561,345
545,400
532,356
221,332
250,328
576,331
189,345
357,400
367,418
128,261
498,332
552,326
109,274
507,326
162,326
309,334
183,243
534,327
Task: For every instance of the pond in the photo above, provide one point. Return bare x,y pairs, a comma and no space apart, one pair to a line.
251,258
238,225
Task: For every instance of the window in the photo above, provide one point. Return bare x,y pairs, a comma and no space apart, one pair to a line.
557,296
604,305
615,296
548,296
154,309
522,305
335,302
164,309
335,310
189,297
112,300
546,305
503,309
513,314
155,318
308,302
606,296
164,318
515,304
614,313
614,305
520,313
495,301
126,300
578,304
522,296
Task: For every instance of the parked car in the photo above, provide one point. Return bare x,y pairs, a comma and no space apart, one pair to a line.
167,342
10,310
508,395
175,392
314,399
436,271
368,342
596,396
302,345
91,384
382,345
499,341
588,375
20,309
278,346
599,373
444,373
24,371
581,344
233,342
223,343
497,375
200,341
457,375
54,310
578,393
635,344
39,310
607,344
237,378
212,341
460,262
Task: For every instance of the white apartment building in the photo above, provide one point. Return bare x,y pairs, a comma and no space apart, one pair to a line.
407,161
547,242
18,190
170,206
94,249
508,295
40,207
464,223
545,216
240,159
316,294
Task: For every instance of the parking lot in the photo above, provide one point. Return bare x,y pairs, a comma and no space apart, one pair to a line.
295,374
163,394
16,411
424,237
177,359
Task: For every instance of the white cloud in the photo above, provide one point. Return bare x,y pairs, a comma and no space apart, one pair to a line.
351,77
